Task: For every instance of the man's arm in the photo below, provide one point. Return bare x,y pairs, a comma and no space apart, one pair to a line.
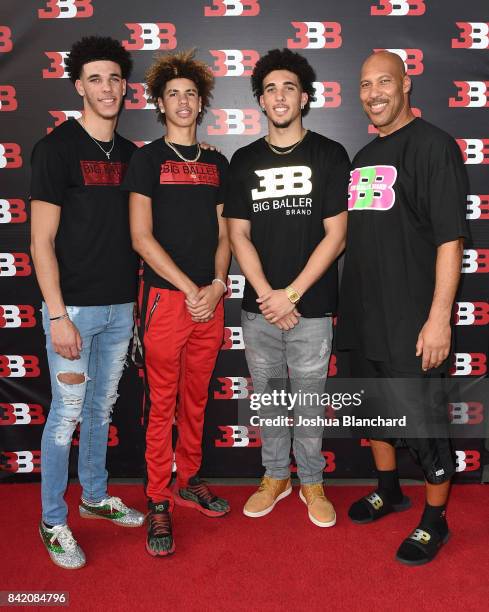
275,304
146,245
45,219
250,264
435,336
208,297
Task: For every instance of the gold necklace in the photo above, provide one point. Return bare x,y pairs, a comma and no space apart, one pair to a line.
288,150
187,161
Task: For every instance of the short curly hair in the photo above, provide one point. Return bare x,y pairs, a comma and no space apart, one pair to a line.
96,48
284,59
181,65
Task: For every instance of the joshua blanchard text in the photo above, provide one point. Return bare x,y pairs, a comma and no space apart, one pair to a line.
344,421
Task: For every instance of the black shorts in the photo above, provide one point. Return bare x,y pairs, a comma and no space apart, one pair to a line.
434,454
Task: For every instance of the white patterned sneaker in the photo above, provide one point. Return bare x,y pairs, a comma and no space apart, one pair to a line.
62,546
112,509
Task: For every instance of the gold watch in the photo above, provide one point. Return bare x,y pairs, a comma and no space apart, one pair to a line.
292,294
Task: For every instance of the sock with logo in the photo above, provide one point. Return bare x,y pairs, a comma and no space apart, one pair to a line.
389,485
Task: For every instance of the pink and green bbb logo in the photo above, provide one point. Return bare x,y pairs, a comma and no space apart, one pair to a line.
371,188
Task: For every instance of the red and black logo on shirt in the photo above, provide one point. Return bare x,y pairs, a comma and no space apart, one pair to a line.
102,173
186,173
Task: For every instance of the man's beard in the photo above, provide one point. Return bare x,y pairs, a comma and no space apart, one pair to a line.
284,124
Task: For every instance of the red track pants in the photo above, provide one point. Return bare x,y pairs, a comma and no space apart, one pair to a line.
180,356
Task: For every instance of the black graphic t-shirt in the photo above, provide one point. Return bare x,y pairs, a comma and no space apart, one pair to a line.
184,197
407,196
286,198
93,246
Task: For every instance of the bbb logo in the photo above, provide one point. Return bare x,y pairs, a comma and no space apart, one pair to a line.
13,315
412,58
315,35
233,339
234,387
236,284
234,62
474,150
57,67
238,436
475,261
327,94
467,460
12,211
235,122
10,155
137,97
469,364
60,116
21,414
398,8
8,100
150,37
470,94
472,35
66,9
112,440
19,366
472,313
15,264
477,207
6,44
21,462
232,8
465,413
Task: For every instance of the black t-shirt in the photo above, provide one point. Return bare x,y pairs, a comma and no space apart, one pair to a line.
407,196
93,246
286,198
184,206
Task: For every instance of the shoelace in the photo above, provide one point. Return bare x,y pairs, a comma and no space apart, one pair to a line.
160,524
114,503
64,536
202,490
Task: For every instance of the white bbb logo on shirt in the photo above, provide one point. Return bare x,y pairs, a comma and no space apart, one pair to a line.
280,182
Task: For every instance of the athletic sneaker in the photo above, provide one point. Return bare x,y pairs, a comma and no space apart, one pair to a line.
112,509
198,495
159,542
62,546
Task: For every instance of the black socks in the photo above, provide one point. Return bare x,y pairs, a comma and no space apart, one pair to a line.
434,517
389,485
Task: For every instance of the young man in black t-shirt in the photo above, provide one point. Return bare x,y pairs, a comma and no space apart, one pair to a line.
406,227
286,209
87,272
177,228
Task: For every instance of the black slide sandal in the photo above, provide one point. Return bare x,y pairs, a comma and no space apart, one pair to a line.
425,540
376,505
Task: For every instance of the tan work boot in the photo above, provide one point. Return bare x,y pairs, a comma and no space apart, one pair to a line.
270,491
321,511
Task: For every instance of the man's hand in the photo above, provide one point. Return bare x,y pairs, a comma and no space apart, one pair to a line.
66,339
289,321
205,302
275,305
434,343
206,146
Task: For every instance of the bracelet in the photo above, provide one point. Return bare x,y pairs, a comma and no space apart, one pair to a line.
63,316
218,280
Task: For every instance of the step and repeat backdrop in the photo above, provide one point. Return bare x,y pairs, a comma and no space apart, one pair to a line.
445,46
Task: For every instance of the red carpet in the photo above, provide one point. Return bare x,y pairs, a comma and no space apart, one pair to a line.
278,562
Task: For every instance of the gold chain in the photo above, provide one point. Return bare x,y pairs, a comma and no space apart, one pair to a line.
288,150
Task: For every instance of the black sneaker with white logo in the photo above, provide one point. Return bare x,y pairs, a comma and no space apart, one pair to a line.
159,542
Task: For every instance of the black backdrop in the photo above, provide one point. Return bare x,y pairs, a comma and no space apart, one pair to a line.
445,45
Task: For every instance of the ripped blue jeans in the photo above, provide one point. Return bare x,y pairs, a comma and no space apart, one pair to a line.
105,333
